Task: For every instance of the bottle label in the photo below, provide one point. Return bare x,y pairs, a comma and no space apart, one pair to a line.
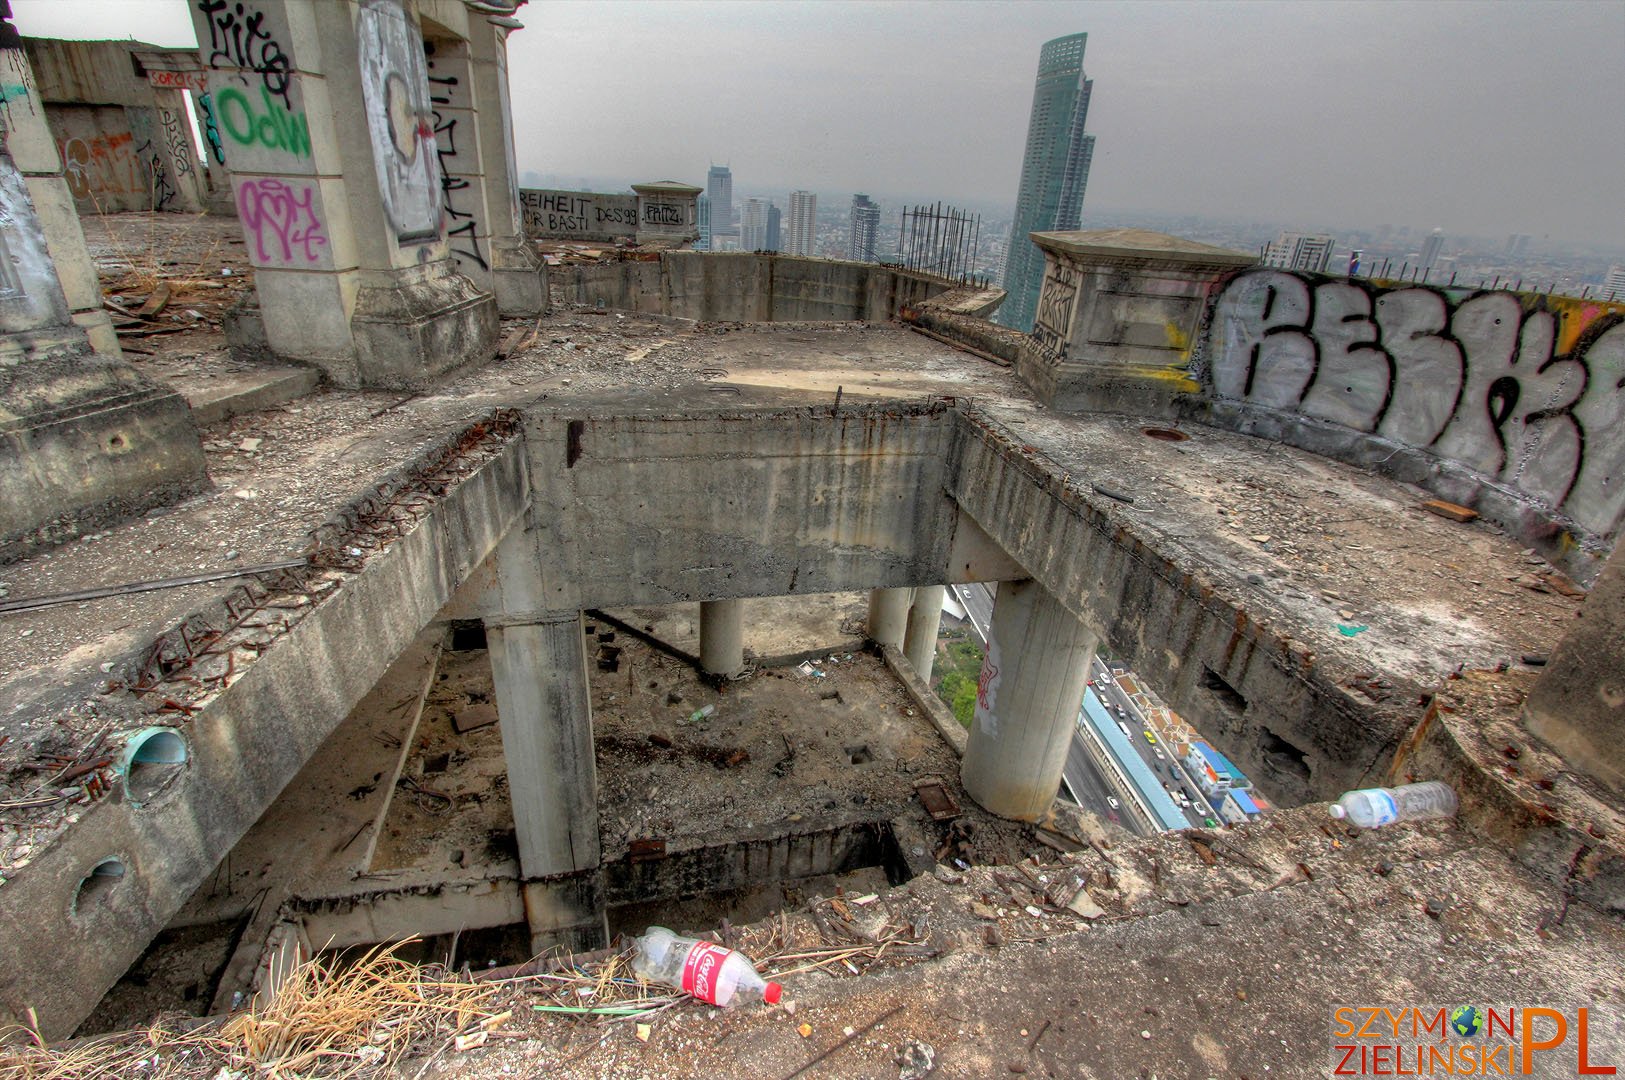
1386,809
701,967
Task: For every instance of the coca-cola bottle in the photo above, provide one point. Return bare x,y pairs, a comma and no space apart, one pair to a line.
700,969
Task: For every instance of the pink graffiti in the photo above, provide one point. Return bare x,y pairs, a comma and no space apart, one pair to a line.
274,207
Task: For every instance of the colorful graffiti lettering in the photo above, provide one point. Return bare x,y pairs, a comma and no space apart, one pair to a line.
102,165
280,219
1513,386
276,128
211,130
238,38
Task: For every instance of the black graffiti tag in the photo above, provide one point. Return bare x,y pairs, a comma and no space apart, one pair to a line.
237,38
445,130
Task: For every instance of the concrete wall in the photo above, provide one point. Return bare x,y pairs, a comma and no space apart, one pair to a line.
747,287
125,143
578,215
1510,403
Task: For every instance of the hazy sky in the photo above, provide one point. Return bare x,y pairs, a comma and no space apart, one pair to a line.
1488,118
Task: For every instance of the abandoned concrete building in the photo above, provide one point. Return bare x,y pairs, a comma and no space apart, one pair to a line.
368,573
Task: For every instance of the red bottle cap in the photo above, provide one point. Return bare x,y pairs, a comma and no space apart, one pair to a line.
771,994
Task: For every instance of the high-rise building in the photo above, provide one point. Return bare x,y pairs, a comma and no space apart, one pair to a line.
1054,172
774,241
865,225
1299,251
1430,249
803,212
1613,286
702,221
719,189
753,225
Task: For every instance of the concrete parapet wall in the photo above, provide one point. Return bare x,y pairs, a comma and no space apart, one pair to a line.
748,287
578,215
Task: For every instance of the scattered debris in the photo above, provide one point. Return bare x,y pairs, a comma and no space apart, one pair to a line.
1449,510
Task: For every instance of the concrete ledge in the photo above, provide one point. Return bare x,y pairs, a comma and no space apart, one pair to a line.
244,392
942,718
1515,790
405,334
248,739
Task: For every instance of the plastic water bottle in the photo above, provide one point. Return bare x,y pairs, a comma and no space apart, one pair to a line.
1372,808
700,969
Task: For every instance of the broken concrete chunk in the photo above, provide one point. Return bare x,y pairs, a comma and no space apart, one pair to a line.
474,717
1084,905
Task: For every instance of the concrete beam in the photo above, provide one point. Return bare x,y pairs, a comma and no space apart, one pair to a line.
1027,704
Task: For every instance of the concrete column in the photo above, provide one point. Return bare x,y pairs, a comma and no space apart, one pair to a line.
924,618
888,615
540,669
325,115
87,439
722,637
515,273
1026,703
1578,706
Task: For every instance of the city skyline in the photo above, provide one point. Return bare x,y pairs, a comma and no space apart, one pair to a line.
1308,139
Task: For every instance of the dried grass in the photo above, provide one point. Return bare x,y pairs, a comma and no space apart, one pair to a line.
328,1020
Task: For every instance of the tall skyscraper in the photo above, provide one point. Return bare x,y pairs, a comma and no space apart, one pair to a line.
1299,251
803,212
1430,249
774,241
719,189
865,225
1054,172
753,225
702,221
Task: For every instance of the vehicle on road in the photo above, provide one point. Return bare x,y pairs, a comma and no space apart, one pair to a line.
1126,731
1112,802
1150,738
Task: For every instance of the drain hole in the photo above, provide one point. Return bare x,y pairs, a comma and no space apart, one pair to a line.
1165,434
859,754
154,759
467,636
1229,695
1282,755
98,884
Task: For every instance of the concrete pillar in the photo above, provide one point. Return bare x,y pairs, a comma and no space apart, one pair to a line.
1578,706
888,615
1027,702
540,670
325,114
515,273
722,637
86,438
924,618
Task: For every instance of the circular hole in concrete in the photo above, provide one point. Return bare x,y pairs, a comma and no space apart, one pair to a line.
98,884
153,758
1165,434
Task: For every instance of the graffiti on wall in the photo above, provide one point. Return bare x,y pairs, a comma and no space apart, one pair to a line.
102,165
239,38
281,222
267,124
30,293
178,142
194,81
1056,298
211,130
1526,390
395,90
462,227
581,215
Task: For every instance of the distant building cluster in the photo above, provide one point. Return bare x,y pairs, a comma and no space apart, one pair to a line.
1054,172
1300,251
